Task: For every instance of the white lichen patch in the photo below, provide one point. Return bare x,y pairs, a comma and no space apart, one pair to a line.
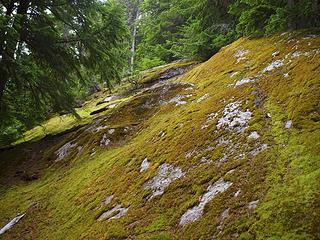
196,212
223,159
254,135
165,176
107,200
240,54
204,97
253,204
275,54
10,224
205,160
105,141
162,133
234,74
109,99
64,150
192,153
258,150
98,129
180,99
210,118
233,118
225,214
121,211
111,131
144,165
297,54
209,149
245,81
93,152
274,65
288,124
222,141
80,149
111,106
237,193
310,36
241,156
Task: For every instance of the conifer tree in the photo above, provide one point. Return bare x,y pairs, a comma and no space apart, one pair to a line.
46,49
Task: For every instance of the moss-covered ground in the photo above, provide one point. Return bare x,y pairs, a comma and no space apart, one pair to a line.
179,122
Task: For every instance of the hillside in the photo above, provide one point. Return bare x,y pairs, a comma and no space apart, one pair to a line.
225,149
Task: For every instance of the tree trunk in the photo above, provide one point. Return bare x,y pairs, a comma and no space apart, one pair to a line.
292,25
315,12
290,3
2,85
9,11
133,42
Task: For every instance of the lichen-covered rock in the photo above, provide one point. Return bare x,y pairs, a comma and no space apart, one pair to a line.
244,81
274,65
10,224
180,99
233,118
64,150
166,174
254,135
253,204
144,165
241,54
288,124
249,116
105,141
120,212
204,97
196,212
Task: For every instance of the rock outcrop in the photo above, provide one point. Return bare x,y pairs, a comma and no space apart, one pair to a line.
226,149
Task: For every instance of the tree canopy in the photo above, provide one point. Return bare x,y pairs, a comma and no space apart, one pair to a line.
50,49
170,30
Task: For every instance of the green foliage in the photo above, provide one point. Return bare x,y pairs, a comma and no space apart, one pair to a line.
260,17
158,32
171,30
253,20
277,22
147,63
51,54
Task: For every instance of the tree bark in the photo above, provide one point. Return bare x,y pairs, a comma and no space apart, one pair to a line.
292,25
2,86
9,11
315,12
133,42
290,3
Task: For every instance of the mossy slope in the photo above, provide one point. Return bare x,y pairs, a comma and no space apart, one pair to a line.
249,116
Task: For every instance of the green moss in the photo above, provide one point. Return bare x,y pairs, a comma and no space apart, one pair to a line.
161,237
158,225
284,178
